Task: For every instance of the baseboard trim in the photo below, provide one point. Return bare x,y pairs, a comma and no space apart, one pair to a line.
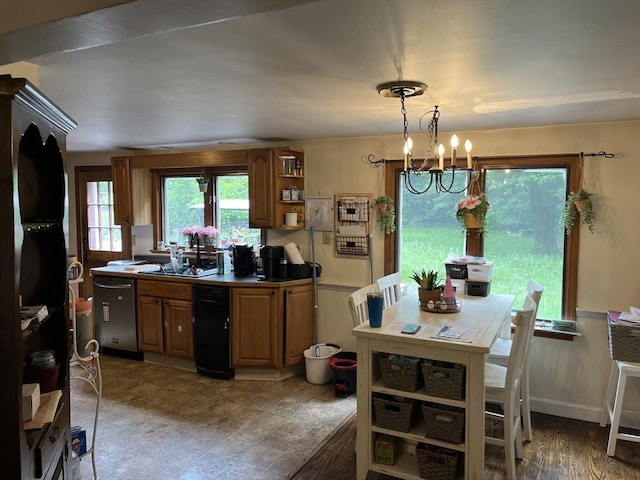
581,412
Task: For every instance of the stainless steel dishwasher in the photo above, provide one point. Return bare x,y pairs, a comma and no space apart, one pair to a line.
114,305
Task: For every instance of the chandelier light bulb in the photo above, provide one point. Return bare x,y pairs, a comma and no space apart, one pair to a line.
441,157
467,147
454,146
408,146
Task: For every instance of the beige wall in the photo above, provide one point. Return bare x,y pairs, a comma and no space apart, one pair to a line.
568,378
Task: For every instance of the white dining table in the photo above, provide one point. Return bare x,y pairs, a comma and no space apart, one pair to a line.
479,321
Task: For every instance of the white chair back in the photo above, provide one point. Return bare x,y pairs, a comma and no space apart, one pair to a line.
535,290
389,285
524,321
358,304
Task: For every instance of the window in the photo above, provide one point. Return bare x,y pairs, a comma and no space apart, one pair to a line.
103,234
526,237
225,205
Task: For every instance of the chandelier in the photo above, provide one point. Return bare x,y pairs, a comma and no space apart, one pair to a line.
441,176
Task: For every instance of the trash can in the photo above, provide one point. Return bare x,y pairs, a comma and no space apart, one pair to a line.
344,366
316,360
84,325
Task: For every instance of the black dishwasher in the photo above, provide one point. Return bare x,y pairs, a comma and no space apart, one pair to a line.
211,323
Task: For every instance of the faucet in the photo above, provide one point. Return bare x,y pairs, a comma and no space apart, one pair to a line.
195,236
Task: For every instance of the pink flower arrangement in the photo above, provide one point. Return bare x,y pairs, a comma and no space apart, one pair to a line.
208,231
476,205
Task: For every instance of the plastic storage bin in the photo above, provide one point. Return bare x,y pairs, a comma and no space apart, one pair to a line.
479,272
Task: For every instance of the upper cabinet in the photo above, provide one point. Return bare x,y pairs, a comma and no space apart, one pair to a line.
276,188
131,193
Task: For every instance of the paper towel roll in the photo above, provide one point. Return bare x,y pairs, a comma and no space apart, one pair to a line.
291,219
294,255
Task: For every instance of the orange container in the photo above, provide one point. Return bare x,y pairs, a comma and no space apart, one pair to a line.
83,305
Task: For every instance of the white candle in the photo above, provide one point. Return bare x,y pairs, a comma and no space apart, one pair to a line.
441,157
454,145
467,147
408,145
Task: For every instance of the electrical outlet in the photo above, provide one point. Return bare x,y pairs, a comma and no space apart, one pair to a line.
326,238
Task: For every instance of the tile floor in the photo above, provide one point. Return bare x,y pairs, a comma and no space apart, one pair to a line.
162,423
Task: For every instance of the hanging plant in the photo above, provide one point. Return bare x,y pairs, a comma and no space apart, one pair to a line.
386,217
578,204
203,183
471,212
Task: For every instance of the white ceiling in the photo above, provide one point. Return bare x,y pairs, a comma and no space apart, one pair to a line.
140,75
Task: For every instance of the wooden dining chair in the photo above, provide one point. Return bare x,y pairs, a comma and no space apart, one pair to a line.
499,354
502,386
389,285
358,304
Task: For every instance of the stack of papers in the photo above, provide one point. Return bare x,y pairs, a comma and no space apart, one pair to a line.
632,317
33,313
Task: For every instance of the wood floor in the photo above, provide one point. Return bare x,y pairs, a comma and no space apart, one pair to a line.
562,449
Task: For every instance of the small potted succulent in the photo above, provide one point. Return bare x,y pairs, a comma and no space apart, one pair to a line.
386,216
578,204
429,285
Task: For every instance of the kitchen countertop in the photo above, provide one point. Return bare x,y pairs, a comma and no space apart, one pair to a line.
228,279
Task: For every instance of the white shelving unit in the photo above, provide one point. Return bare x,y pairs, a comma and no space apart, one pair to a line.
85,368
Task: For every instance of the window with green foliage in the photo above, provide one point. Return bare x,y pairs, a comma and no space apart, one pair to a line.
225,205
525,233
524,229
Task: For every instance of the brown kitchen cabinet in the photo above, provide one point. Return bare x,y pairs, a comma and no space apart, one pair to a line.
256,319
276,187
33,207
271,326
131,193
165,318
299,327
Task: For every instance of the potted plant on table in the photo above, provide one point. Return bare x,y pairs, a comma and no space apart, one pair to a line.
429,286
471,211
578,203
386,214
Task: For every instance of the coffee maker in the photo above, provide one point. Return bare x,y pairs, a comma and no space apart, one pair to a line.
271,257
244,262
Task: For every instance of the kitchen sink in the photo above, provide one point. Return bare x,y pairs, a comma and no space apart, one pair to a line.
168,272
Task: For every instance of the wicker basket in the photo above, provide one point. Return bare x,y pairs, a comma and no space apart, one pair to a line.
436,463
400,373
443,379
444,422
624,341
395,414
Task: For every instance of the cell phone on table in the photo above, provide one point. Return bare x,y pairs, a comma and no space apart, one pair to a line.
410,329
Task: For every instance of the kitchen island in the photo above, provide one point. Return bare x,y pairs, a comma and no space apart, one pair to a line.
479,322
271,322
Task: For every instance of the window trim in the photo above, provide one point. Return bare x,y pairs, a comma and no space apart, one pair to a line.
393,170
210,171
